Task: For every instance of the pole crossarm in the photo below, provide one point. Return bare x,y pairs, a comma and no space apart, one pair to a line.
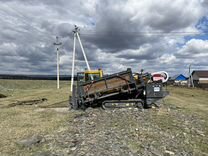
57,43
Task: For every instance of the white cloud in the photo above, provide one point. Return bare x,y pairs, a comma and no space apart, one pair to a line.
167,59
28,29
165,15
194,47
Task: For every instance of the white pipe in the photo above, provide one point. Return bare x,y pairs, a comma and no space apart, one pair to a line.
85,57
73,62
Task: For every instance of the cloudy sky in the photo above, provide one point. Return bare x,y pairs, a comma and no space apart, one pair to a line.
152,35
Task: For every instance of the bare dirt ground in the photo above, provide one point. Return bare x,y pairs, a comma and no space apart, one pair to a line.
178,127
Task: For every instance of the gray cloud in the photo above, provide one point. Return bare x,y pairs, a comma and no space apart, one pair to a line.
114,34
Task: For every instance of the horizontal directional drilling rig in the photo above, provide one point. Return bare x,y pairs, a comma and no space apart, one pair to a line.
123,89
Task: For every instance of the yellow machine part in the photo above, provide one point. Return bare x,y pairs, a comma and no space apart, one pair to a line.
95,73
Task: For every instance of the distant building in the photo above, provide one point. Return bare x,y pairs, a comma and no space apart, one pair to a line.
200,78
179,79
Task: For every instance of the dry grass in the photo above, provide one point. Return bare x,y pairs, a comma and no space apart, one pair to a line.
23,90
19,123
23,121
192,100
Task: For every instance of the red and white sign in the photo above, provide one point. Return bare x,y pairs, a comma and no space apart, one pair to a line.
160,76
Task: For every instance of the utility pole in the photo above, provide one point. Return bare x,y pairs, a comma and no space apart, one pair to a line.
57,44
191,83
189,80
73,62
76,36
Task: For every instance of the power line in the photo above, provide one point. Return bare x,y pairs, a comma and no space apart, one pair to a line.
97,31
141,33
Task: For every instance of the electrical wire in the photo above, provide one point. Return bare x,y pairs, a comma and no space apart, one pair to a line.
140,33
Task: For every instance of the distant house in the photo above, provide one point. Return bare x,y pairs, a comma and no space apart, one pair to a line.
200,78
179,79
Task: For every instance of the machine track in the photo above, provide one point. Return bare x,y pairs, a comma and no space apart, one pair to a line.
138,103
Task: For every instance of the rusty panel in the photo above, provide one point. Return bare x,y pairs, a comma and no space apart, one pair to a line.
95,87
100,86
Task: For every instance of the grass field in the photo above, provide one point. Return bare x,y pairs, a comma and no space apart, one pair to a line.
52,115
25,120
